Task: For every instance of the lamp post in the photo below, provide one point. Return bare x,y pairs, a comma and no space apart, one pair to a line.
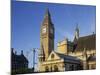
34,58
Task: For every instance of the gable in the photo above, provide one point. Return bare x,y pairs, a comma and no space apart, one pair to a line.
53,56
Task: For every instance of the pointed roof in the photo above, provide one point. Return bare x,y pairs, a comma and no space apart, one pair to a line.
76,30
19,58
47,12
47,17
65,58
77,27
87,42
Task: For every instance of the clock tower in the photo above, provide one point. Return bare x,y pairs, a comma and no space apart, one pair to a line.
46,36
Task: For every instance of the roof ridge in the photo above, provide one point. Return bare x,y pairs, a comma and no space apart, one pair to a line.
87,36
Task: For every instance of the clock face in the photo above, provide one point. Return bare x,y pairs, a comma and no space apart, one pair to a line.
51,30
44,30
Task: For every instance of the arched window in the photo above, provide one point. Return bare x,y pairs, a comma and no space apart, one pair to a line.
55,68
46,69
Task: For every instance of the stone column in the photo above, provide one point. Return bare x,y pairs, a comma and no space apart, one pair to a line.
85,59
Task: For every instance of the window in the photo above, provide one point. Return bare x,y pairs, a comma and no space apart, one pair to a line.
46,69
55,68
71,67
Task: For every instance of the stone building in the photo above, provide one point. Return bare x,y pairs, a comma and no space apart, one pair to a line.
60,62
18,62
85,49
64,46
76,55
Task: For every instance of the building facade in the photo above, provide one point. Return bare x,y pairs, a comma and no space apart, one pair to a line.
80,54
19,63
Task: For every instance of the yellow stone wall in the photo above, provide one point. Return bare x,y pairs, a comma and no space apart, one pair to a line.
79,54
62,47
51,64
92,65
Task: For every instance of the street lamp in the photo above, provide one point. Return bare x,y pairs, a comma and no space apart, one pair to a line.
33,52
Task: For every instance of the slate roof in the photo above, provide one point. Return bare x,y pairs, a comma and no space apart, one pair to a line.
47,18
87,42
19,58
68,58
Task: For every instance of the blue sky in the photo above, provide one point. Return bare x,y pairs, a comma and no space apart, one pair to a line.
27,18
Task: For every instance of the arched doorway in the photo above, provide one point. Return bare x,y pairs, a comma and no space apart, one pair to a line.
46,69
55,68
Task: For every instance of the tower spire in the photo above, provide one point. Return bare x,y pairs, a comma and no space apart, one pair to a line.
47,17
47,12
76,36
77,32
